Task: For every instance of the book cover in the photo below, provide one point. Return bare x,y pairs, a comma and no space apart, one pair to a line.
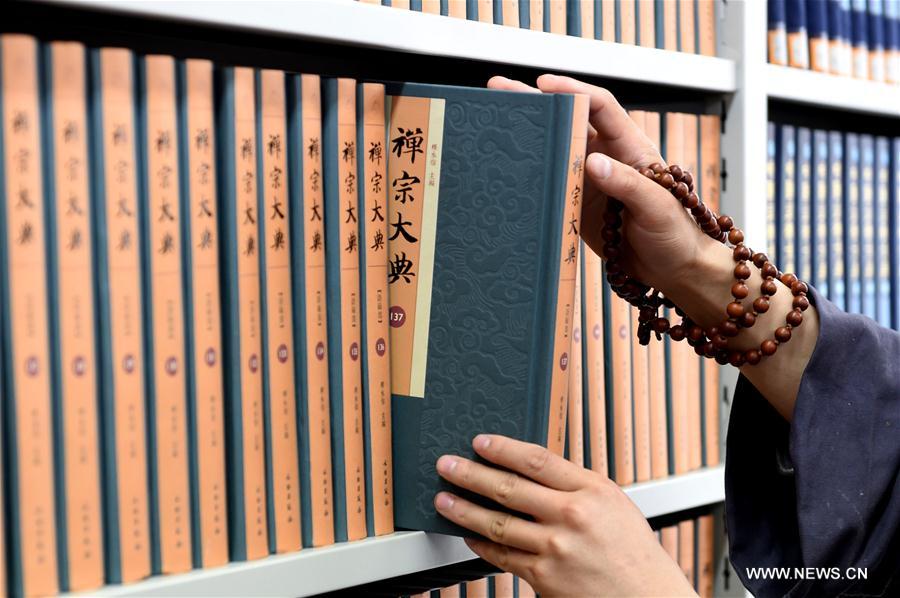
875,27
555,16
797,40
687,31
159,216
593,363
575,407
819,274
375,327
867,223
241,326
706,27
859,39
72,322
119,297
837,37
803,209
776,16
480,295
786,198
852,224
817,31
626,21
26,345
310,307
277,314
343,296
710,190
882,232
203,309
837,232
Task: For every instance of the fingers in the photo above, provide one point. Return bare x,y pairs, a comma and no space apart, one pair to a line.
503,487
502,528
498,82
643,198
503,557
530,460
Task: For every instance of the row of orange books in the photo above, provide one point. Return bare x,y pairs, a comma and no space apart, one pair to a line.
502,585
680,25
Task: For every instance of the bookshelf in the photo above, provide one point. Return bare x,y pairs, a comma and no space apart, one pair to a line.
354,563
828,91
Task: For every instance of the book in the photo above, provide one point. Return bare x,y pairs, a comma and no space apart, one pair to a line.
477,588
836,263
375,326
686,550
882,232
70,286
797,40
555,16
575,407
710,190
275,213
241,317
786,198
626,26
431,6
687,41
607,13
837,38
875,14
706,27
26,345
852,225
772,189
580,18
504,585
619,410
776,16
817,32
706,561
892,41
343,297
310,307
506,12
803,209
524,589
819,247
867,223
668,537
480,10
847,24
203,309
119,297
531,14
593,363
436,281
456,8
894,195
859,39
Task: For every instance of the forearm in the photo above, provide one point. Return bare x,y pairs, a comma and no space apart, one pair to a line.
704,298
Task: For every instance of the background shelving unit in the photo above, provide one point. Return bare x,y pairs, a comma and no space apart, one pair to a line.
353,39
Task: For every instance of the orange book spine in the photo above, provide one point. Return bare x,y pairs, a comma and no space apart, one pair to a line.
510,10
477,588
627,22
706,558
486,11
608,20
209,428
450,592
710,183
670,24
686,553
568,266
706,27
248,274
557,10
525,589
575,410
456,8
431,6
686,23
620,373
125,307
171,484
659,431
647,17
378,365
503,585
318,406
404,4
594,364
669,540
536,15
587,18
29,349
354,460
275,241
74,279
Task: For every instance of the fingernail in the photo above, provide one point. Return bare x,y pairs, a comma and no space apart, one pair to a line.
599,166
446,464
443,501
481,442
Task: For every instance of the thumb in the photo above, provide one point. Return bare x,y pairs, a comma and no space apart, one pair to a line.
643,198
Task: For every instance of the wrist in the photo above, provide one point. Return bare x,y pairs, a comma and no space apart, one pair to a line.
705,290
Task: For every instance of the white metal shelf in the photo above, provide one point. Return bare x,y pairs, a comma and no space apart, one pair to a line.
831,91
350,564
373,26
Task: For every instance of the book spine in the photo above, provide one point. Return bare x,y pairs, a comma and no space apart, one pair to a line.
29,410
508,13
852,240
847,60
619,382
670,35
402,4
687,26
837,39
248,526
373,268
586,12
200,268
277,326
859,38
817,30
431,6
797,39
710,189
867,223
787,201
485,11
593,364
706,558
608,20
575,407
504,584
568,265
819,274
626,21
4,546
646,23
70,257
771,190
837,267
555,16
706,27
686,552
882,220
875,26
342,246
894,191
119,294
777,32
892,41
457,8
164,316
802,214
573,18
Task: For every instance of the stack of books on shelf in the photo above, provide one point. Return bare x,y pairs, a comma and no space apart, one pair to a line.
680,25
852,38
239,303
833,204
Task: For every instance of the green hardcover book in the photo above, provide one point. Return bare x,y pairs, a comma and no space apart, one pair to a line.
483,232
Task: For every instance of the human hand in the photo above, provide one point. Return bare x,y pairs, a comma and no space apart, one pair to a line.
587,538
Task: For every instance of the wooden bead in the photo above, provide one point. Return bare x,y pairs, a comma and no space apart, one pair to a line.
687,178
613,267
699,211
676,333
719,341
768,270
739,290
722,237
660,325
700,349
768,287
612,219
722,357
782,334
615,205
666,180
735,236
800,302
657,168
768,347
735,309
752,357
788,279
729,328
741,253
760,259
681,191
725,223
610,233
742,271
695,333
617,279
691,201
611,251
646,172
799,287
794,318
736,358
676,171
761,305
748,319
709,349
